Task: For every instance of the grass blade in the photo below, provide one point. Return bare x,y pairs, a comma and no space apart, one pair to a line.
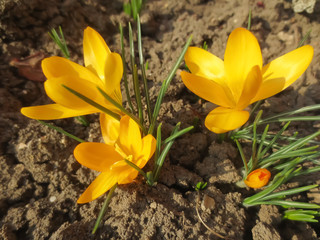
125,79
165,86
93,103
143,72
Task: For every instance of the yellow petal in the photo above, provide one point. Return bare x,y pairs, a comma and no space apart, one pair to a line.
127,176
268,88
100,60
95,52
148,149
113,75
110,128
241,55
258,178
285,70
125,173
96,156
221,120
129,139
250,88
62,96
208,89
202,63
53,111
54,67
99,186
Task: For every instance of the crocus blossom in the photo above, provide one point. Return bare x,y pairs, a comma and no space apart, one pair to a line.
103,69
241,79
258,178
123,141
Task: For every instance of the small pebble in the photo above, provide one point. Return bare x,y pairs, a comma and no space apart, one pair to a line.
52,198
208,202
153,205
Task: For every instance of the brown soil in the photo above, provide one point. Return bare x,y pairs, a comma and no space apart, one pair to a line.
40,180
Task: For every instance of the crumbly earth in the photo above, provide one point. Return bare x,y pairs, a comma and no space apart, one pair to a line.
40,180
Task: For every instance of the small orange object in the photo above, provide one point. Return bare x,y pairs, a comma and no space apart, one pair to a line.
258,178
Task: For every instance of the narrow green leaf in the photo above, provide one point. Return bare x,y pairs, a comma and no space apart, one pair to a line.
305,37
60,130
104,208
288,204
263,137
297,144
131,164
60,41
165,86
243,157
178,134
121,108
249,20
285,193
275,138
93,103
289,113
163,154
143,72
125,79
158,146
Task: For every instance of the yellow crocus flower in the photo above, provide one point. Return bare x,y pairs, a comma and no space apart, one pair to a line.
241,79
258,178
108,158
103,68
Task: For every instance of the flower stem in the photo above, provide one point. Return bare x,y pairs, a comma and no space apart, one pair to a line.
160,160
242,157
249,20
126,86
165,86
143,72
104,208
135,76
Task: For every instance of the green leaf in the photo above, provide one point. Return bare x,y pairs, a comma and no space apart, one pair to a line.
60,130
165,86
104,208
285,193
92,103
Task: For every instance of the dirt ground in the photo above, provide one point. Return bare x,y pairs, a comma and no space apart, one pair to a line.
40,180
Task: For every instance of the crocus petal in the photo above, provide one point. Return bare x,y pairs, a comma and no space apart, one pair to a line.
203,63
62,96
53,111
250,88
125,173
285,70
148,149
99,186
208,89
258,178
96,156
129,140
110,128
268,88
95,52
54,67
241,55
113,75
221,120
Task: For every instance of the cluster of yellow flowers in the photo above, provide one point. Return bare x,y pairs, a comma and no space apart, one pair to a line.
232,84
122,139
